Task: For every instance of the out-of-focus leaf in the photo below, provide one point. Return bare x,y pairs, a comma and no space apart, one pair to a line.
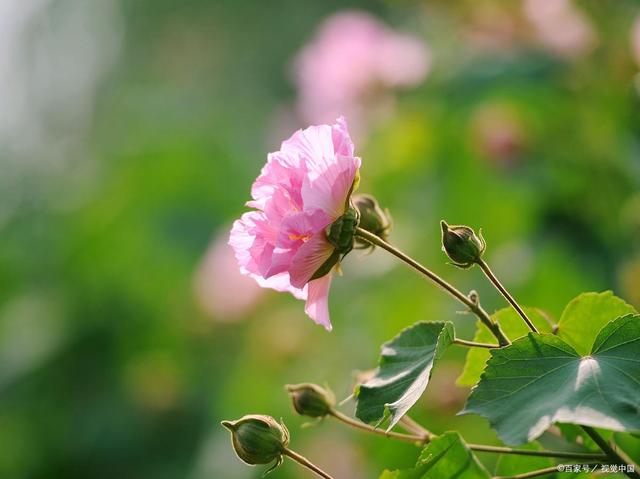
512,325
404,371
586,315
540,379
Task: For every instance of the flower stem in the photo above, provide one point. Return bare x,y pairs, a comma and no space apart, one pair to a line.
492,277
474,306
473,344
303,461
411,425
537,473
530,452
617,457
421,439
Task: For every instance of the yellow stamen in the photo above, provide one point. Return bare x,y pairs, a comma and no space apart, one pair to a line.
304,238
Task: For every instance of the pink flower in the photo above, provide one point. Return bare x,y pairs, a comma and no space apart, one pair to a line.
302,190
560,26
352,64
221,291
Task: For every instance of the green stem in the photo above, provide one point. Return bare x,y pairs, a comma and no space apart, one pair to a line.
537,473
474,306
473,344
303,461
530,452
617,457
422,439
492,277
413,426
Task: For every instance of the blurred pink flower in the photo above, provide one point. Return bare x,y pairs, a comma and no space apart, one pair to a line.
560,26
498,133
301,190
635,40
221,290
350,66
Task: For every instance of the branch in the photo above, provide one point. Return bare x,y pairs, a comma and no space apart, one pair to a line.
457,294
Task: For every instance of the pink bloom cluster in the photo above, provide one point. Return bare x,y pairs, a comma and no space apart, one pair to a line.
301,190
351,64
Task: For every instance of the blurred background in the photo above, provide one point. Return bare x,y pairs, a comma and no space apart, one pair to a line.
130,132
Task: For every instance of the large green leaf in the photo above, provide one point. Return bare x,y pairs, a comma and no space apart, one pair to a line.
512,325
586,315
540,379
404,371
446,457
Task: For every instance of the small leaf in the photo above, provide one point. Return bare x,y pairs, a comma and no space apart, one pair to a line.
446,457
586,315
540,379
404,371
512,325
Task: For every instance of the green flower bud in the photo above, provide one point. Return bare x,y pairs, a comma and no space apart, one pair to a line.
341,234
311,400
342,231
258,439
372,218
462,245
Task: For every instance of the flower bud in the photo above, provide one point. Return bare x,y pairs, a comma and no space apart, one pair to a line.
258,439
342,231
341,234
462,245
311,400
372,218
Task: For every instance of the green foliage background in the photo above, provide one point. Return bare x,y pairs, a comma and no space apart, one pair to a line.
108,365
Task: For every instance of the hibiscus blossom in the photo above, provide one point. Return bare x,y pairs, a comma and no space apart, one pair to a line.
302,224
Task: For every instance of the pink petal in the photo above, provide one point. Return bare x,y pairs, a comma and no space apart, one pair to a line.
329,192
317,306
310,256
298,228
243,238
280,282
342,144
283,172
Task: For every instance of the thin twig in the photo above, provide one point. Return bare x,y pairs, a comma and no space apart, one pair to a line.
492,277
303,461
473,344
422,439
618,457
412,425
539,472
457,294
530,452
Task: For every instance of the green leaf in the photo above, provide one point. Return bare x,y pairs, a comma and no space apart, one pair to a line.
540,379
404,371
512,464
586,315
447,457
512,325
